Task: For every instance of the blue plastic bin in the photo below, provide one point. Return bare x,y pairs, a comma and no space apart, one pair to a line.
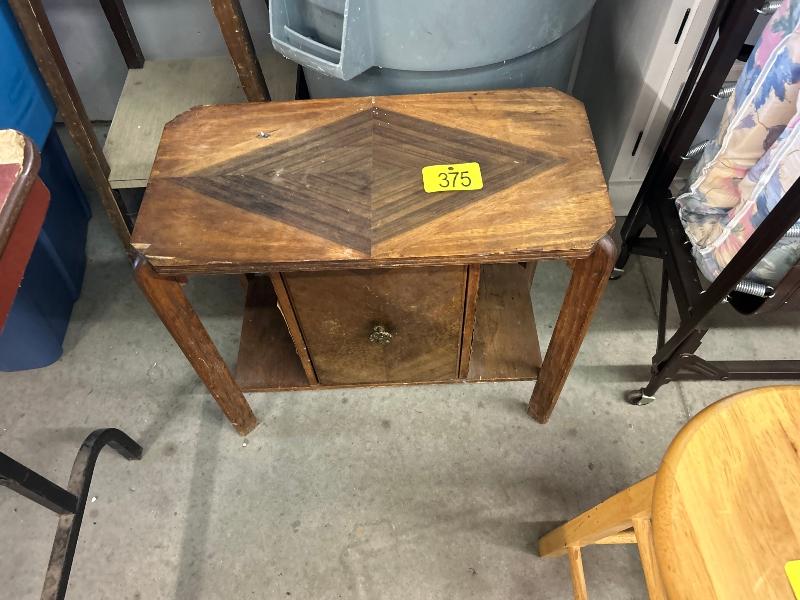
67,221
37,323
25,103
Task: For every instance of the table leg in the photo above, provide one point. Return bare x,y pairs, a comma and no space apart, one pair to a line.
234,30
176,312
589,279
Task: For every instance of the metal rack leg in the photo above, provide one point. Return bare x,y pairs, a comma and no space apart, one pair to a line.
666,371
69,525
631,230
68,503
663,301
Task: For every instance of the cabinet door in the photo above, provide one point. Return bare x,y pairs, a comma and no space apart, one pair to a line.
381,325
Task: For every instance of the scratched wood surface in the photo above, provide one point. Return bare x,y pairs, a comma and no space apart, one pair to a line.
337,184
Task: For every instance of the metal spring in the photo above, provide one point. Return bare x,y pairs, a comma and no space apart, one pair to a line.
726,91
754,289
696,150
769,7
759,289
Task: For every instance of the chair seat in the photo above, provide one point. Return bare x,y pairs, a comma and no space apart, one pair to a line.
726,516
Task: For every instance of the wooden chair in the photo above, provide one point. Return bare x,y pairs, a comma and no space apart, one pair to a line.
720,518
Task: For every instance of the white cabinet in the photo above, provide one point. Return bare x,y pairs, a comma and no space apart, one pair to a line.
635,61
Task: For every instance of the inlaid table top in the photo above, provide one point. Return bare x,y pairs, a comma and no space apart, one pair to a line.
320,184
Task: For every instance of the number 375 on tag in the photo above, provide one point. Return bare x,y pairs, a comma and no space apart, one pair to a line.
451,178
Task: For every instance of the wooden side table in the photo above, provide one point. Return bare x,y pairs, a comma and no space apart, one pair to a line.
357,275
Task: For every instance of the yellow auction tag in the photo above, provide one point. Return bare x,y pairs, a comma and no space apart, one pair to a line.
792,569
451,178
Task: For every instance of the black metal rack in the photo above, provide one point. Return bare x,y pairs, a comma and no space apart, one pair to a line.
654,206
68,503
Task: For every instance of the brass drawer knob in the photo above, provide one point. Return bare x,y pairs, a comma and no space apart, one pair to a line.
380,335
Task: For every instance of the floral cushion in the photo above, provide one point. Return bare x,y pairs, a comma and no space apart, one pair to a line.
754,159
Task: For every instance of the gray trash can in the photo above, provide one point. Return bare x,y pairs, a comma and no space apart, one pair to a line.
373,47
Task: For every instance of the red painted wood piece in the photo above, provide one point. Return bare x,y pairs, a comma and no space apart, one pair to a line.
25,203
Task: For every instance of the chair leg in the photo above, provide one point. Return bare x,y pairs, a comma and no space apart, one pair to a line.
576,571
607,523
643,528
613,516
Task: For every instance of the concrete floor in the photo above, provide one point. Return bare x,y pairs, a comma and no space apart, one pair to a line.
401,492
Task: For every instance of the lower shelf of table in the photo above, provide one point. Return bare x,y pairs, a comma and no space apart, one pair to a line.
505,344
